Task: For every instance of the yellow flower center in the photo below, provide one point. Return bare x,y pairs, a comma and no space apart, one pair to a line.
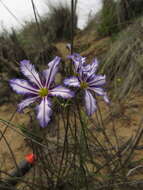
43,92
83,85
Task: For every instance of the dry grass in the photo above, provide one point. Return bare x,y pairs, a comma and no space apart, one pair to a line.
123,62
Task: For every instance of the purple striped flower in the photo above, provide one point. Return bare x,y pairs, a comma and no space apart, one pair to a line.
39,88
78,61
88,81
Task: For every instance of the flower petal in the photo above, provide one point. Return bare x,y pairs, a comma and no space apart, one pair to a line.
44,112
98,90
29,71
97,80
72,81
22,87
78,60
94,66
90,69
86,68
90,103
26,102
106,99
62,91
51,71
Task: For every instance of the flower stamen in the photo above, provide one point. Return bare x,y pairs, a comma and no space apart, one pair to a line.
43,92
83,85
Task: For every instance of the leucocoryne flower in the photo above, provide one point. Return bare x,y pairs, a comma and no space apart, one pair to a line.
39,87
86,79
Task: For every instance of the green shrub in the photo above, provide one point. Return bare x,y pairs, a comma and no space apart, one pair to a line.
128,9
115,16
37,38
57,24
108,20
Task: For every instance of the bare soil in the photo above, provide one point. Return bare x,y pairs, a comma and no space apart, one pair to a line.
12,141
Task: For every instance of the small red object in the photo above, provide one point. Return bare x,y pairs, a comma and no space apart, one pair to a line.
30,158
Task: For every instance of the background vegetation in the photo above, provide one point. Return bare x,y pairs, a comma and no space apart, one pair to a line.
77,152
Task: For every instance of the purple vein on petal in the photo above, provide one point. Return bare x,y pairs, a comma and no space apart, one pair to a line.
90,69
78,60
97,80
44,112
94,65
90,103
27,102
30,72
22,87
72,81
51,71
62,91
98,91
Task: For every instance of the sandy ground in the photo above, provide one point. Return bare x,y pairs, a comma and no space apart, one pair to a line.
126,118
13,141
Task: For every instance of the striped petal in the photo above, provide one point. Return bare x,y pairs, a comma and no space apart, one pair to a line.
44,112
72,81
26,103
29,71
22,87
78,60
90,69
86,68
97,80
90,103
98,91
50,73
94,66
62,92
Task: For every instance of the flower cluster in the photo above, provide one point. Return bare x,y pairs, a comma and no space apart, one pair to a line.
88,81
41,87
